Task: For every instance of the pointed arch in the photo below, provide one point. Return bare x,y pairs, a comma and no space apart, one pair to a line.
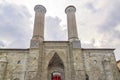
56,61
55,67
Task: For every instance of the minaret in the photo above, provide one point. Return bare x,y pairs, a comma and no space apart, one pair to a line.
72,27
71,23
38,33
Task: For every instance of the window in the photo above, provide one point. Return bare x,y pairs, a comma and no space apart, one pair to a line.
19,62
95,62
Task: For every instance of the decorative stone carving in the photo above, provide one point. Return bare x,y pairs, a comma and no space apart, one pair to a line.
70,9
40,8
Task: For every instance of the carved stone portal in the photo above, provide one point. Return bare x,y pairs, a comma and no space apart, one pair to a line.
56,68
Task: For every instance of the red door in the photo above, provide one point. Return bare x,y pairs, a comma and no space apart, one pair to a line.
56,77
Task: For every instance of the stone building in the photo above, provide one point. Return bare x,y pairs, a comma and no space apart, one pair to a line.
57,60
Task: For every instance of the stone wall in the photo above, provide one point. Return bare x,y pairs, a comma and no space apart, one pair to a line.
100,64
58,56
32,64
13,64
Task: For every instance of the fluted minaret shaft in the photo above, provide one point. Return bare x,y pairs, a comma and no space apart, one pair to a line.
39,22
71,23
38,33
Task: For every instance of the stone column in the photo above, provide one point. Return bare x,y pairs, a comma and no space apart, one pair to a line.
38,33
71,23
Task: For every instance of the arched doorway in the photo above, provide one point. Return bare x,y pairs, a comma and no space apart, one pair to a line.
56,68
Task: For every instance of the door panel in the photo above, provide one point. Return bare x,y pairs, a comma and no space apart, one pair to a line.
56,77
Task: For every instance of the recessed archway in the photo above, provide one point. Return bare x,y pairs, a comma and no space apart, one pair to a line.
55,68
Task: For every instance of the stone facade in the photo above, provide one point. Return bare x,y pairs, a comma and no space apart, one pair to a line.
13,63
44,59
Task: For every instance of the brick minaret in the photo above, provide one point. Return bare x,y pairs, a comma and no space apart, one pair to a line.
72,27
38,33
71,23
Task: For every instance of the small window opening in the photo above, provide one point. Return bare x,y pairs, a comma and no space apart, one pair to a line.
95,62
19,62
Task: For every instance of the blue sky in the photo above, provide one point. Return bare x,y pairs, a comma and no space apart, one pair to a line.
98,22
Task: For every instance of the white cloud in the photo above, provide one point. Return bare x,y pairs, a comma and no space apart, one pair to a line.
111,21
2,44
14,24
108,28
53,29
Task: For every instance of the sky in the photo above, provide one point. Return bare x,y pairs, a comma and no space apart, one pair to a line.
98,22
